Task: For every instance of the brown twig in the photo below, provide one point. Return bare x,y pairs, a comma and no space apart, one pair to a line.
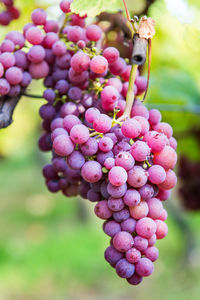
7,106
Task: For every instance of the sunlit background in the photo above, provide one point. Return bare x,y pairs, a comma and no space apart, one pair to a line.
51,247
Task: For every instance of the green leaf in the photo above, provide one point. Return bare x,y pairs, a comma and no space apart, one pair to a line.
94,7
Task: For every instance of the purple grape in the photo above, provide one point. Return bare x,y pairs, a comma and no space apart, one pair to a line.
128,225
125,269
111,228
76,160
112,255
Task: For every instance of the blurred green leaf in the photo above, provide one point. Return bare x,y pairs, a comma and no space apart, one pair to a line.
174,84
93,7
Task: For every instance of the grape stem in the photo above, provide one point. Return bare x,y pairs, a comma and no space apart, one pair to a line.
32,96
130,94
96,133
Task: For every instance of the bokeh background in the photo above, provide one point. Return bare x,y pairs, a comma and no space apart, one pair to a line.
51,247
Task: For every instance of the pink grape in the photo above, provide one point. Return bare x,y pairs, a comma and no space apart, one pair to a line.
7,59
154,117
146,191
137,177
105,144
139,211
138,109
59,48
161,229
7,46
152,240
146,227
124,160
75,33
91,171
131,128
16,37
80,62
144,267
91,114
164,128
123,241
157,174
62,145
79,134
140,150
65,5
152,253
118,67
169,182
50,39
14,75
140,243
102,123
115,82
39,70
109,163
39,16
70,121
4,86
166,158
155,208
98,64
163,215
1,70
133,255
34,35
51,26
163,194
90,147
141,83
132,197
117,176
144,124
111,54
36,54
173,142
156,141
93,32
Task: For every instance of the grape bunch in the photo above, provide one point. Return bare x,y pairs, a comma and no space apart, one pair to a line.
124,165
189,174
10,13
111,151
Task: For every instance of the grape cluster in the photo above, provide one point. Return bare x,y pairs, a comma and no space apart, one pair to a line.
122,165
10,13
189,174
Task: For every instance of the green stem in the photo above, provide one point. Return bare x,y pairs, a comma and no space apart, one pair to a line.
130,94
96,133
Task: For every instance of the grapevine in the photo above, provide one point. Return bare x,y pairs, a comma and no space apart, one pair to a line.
106,146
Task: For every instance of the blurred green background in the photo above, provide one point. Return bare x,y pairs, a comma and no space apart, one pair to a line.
52,247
